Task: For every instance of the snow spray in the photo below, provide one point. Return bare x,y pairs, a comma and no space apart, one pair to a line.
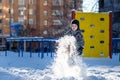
67,64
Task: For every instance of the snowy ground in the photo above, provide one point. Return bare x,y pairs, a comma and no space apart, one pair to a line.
64,65
103,69
13,67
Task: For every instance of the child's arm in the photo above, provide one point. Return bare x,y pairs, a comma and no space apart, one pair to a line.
80,42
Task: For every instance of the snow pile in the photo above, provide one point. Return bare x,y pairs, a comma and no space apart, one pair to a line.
67,63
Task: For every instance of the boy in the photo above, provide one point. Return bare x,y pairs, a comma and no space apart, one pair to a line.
75,31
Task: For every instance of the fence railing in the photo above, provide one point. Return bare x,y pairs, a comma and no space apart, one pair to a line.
44,45
115,45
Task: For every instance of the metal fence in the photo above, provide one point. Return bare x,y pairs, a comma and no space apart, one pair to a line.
44,45
115,45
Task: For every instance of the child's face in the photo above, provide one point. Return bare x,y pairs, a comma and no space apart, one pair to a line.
74,27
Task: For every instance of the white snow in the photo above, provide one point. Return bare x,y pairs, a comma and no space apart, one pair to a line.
13,67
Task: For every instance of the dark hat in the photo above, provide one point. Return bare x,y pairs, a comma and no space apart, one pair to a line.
75,22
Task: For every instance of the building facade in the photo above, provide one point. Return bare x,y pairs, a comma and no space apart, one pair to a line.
114,7
41,18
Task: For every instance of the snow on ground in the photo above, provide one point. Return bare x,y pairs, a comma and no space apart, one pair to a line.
64,65
103,69
13,67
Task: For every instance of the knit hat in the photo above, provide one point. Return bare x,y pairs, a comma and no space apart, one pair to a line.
75,22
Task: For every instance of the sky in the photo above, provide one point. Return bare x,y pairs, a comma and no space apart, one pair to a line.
90,6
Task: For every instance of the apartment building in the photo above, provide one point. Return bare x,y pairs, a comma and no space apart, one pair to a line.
114,7
14,11
42,18
4,22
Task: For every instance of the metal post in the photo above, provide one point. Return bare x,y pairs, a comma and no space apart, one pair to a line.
18,48
30,48
22,47
42,54
119,57
7,46
38,48
51,44
47,50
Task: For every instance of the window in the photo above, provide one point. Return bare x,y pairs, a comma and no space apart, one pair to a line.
1,30
0,20
11,10
10,1
31,1
21,20
0,1
21,2
45,13
1,41
57,22
45,22
45,3
31,11
57,2
22,10
57,12
1,11
10,20
31,21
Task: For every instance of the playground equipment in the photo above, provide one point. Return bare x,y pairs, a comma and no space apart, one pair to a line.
21,47
96,29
